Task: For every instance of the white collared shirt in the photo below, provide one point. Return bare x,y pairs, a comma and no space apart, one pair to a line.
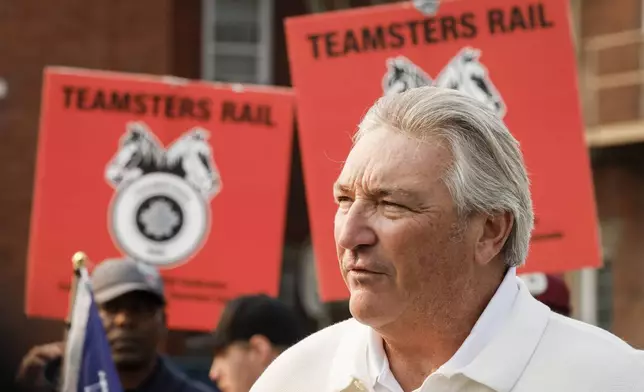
535,350
482,333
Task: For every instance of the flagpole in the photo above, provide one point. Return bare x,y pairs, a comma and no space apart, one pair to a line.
79,261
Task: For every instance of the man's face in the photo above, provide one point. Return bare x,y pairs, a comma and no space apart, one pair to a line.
135,325
236,368
401,247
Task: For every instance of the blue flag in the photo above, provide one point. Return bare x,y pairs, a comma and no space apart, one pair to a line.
88,358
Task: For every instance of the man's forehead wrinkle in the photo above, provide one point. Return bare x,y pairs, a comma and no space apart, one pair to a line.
378,166
355,171
379,181
341,187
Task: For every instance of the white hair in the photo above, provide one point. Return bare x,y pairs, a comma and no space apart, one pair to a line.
487,174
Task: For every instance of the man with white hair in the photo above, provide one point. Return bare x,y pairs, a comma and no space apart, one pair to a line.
434,215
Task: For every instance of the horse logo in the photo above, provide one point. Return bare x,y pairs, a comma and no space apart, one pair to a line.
403,75
160,213
464,73
140,153
191,157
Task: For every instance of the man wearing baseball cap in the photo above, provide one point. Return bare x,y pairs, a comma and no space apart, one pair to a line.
252,331
131,303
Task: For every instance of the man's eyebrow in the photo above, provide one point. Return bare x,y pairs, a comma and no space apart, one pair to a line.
384,192
375,192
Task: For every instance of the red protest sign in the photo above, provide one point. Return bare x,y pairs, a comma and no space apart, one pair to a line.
189,176
515,56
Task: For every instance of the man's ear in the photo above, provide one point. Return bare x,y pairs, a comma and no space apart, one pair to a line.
493,235
262,348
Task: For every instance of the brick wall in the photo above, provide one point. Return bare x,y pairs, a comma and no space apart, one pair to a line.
121,35
619,184
599,17
619,173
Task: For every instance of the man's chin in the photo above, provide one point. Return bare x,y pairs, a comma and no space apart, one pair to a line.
129,363
369,308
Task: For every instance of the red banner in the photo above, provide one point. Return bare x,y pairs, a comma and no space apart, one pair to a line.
515,56
189,176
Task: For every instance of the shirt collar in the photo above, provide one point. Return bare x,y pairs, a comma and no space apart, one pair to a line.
502,362
487,325
522,320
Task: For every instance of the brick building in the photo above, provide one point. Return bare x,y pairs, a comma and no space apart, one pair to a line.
611,63
243,41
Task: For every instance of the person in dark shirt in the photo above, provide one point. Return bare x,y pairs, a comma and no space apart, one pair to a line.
252,331
131,304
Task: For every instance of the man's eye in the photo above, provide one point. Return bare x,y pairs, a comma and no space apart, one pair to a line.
343,199
391,204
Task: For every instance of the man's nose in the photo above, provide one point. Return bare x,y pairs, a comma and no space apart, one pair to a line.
123,318
353,228
214,371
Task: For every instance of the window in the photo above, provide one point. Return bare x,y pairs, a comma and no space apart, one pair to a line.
237,41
